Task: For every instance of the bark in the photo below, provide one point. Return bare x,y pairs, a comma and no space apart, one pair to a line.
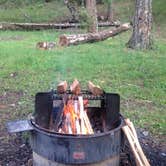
110,12
66,40
41,26
71,5
92,12
142,25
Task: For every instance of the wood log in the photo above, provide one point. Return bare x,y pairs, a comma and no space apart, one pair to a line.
41,26
75,87
66,40
129,138
85,123
133,133
62,87
45,45
95,89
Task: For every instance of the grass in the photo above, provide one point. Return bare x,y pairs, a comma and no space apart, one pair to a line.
138,76
33,12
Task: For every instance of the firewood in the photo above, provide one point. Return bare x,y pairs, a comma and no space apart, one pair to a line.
62,87
129,138
75,87
87,123
133,133
84,117
78,130
95,90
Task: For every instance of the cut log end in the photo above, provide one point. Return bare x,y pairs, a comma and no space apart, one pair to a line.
63,41
95,89
75,87
62,87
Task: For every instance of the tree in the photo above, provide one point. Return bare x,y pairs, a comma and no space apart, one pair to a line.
142,25
92,13
72,5
109,10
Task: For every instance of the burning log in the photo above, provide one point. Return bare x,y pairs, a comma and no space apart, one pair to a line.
131,135
66,40
62,87
95,90
75,87
85,123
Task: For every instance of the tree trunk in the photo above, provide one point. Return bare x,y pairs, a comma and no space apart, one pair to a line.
67,40
92,12
110,12
142,25
71,5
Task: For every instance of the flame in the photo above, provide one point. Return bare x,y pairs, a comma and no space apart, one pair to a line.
75,121
69,110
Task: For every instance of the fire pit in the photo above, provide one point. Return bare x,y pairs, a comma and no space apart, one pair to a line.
52,147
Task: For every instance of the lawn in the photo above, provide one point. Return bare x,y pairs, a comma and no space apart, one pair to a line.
138,76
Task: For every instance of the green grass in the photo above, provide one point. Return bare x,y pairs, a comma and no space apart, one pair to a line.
138,76
33,12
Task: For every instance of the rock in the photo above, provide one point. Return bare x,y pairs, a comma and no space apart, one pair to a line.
145,133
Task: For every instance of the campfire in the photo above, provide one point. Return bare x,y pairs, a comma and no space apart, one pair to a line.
70,115
75,126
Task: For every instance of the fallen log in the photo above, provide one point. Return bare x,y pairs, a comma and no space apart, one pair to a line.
41,26
66,40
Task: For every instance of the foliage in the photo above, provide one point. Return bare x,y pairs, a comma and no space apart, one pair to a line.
84,18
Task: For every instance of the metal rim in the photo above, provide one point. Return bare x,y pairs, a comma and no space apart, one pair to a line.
52,133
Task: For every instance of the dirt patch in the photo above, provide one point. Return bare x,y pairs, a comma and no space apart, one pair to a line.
14,151
8,108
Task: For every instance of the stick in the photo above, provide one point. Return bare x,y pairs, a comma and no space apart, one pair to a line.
136,155
135,138
87,123
84,116
78,130
62,87
95,90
